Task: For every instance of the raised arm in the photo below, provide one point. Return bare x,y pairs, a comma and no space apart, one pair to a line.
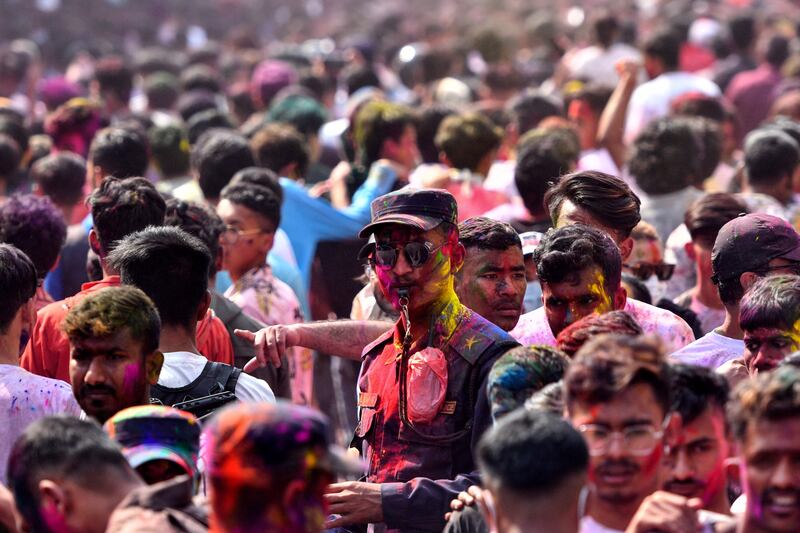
345,338
611,130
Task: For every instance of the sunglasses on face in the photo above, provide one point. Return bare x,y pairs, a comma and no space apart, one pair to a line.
417,253
643,271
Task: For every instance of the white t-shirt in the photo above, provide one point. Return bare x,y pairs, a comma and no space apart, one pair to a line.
598,159
590,525
598,65
711,350
533,327
24,399
651,100
181,368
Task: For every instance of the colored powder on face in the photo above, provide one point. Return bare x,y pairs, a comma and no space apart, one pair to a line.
598,288
130,379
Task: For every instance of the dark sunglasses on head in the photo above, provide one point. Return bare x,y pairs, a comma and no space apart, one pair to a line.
643,271
417,253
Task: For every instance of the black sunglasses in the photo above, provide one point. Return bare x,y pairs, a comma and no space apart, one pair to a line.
417,253
643,271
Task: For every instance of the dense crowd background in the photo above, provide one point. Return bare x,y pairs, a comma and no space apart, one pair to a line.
477,265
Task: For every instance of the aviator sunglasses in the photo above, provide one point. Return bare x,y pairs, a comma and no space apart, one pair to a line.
417,253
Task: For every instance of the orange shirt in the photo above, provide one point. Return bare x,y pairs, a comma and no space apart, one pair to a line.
47,352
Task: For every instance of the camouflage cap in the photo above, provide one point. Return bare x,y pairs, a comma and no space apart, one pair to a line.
420,208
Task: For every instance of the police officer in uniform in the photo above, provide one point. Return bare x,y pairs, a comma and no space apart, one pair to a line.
422,387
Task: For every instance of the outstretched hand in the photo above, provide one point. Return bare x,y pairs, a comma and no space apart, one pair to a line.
270,343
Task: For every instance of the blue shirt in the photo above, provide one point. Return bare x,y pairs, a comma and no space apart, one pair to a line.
307,220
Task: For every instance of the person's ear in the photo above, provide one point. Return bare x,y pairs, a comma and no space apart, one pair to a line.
293,494
152,366
625,249
205,303
689,249
94,242
620,298
457,254
53,502
748,279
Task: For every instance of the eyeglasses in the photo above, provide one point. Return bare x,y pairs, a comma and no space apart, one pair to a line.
417,253
231,235
643,271
637,440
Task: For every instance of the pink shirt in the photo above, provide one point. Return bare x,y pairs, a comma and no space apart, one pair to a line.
533,327
268,299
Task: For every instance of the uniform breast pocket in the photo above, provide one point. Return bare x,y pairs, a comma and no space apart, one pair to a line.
440,432
367,409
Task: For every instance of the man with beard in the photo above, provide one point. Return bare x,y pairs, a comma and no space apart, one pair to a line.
765,423
617,395
695,466
114,357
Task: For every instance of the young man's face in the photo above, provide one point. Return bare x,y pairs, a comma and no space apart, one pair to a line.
695,465
569,213
765,348
586,120
111,373
426,283
246,240
770,461
492,283
626,469
583,293
404,150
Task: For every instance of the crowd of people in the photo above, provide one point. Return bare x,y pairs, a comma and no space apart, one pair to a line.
291,275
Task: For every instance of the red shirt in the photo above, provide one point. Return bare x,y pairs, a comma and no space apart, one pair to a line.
47,352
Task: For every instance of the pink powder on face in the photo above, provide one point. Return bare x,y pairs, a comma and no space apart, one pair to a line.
130,379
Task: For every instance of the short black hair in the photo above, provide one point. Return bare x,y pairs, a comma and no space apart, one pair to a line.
113,75
10,155
694,388
168,265
170,147
608,200
666,156
206,120
277,145
772,302
121,207
487,234
543,157
61,176
35,226
706,216
770,155
60,446
532,452
358,77
565,251
16,130
430,118
18,282
605,28
768,397
192,102
665,46
200,77
742,30
263,177
119,152
257,198
776,50
197,220
595,96
217,156
529,108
